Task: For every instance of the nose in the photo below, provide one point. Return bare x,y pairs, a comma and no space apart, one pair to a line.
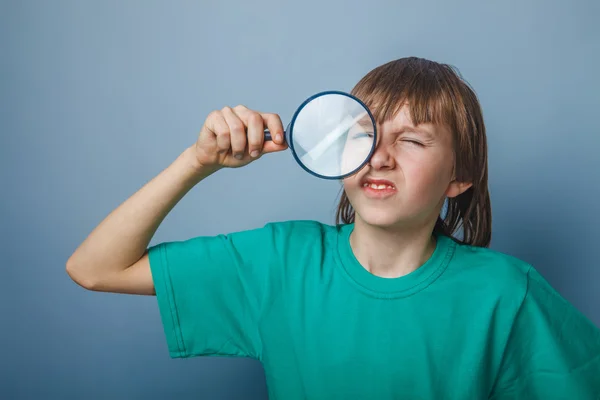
381,158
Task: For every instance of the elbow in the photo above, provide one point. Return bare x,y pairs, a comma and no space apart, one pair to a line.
78,276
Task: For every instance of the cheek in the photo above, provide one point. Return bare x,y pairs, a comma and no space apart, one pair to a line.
429,174
350,184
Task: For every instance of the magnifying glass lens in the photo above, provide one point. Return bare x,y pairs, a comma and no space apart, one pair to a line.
332,135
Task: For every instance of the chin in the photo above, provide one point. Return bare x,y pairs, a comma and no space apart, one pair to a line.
378,218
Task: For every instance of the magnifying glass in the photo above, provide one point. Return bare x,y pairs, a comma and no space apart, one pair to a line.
332,135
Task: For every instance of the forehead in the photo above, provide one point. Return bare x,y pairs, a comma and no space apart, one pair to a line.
402,122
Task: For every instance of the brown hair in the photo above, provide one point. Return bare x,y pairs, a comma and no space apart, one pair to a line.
436,93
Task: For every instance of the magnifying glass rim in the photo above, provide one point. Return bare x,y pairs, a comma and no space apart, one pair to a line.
291,131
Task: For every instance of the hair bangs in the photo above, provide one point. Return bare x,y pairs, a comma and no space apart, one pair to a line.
423,89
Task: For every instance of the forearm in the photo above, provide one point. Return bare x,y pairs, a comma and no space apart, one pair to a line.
123,236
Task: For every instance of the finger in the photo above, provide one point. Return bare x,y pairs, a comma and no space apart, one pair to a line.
256,133
240,110
237,131
216,124
275,126
273,122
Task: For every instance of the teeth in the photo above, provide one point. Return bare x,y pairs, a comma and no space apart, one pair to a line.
377,187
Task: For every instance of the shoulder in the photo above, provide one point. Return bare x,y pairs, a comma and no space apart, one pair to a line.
284,237
502,275
304,230
491,270
278,237
304,225
500,265
478,255
282,229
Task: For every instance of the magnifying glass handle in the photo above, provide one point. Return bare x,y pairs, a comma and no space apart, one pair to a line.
268,135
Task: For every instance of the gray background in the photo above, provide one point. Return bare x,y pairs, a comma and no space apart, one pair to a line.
96,98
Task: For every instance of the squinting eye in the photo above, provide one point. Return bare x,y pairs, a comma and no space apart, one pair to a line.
414,142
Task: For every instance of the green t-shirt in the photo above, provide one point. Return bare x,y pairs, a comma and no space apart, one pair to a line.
471,323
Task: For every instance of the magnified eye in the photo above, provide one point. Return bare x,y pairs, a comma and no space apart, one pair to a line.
362,135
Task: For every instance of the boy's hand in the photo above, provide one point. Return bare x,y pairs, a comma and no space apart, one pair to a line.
234,137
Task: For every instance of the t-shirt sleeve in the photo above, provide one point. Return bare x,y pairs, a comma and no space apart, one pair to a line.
210,291
553,351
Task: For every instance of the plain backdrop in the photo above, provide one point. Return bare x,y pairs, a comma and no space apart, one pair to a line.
96,98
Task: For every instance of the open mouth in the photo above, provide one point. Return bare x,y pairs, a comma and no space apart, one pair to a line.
378,187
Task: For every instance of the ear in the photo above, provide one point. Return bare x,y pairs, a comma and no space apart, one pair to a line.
456,188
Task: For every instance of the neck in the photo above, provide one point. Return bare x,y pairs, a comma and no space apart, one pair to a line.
391,252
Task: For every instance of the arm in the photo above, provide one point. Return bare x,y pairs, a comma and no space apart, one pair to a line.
113,258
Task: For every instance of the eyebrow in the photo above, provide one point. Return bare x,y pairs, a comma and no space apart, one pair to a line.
413,129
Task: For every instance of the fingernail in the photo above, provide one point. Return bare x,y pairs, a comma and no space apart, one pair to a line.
239,156
254,153
278,137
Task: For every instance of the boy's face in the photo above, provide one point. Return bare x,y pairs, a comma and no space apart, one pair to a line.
417,163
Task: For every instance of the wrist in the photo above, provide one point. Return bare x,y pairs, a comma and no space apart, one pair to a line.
197,170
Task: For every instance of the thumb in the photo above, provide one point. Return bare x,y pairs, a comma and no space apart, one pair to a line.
272,147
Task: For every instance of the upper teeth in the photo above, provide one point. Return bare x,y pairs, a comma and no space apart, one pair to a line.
375,186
